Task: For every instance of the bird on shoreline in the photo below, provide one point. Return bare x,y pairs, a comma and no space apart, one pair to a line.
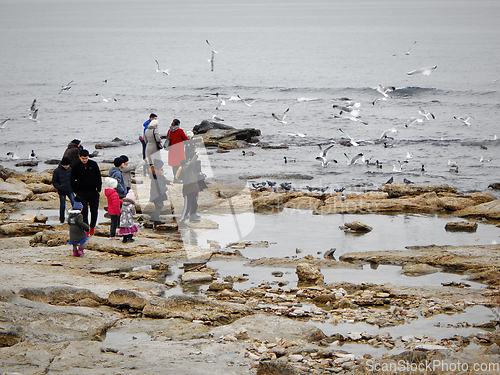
158,70
66,87
289,160
217,118
424,71
13,154
32,155
281,118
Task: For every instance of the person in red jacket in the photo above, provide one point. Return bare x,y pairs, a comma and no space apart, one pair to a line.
176,150
114,203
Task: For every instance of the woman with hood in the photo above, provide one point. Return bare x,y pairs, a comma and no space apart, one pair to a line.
176,150
152,139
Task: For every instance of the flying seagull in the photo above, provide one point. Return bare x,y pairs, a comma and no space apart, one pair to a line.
211,61
220,101
66,87
354,159
34,116
409,49
424,71
245,102
384,134
464,120
158,70
2,123
281,118
424,113
322,155
383,90
33,106
106,99
413,120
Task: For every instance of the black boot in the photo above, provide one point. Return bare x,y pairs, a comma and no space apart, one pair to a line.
125,238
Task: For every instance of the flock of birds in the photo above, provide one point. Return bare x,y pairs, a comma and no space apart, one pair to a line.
345,108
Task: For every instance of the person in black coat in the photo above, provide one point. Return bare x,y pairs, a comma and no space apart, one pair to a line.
72,151
86,183
61,179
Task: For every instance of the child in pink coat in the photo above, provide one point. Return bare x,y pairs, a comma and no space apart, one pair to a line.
114,203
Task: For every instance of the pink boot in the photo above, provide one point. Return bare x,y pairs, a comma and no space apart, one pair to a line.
80,251
76,253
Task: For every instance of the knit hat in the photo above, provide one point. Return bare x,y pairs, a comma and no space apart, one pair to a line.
77,205
157,163
118,161
65,161
154,122
124,158
130,195
110,183
189,134
76,141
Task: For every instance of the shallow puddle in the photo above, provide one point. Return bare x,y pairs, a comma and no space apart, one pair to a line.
313,234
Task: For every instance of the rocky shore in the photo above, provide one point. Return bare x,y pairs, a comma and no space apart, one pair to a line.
118,310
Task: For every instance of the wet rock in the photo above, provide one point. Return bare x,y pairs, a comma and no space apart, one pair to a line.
39,322
196,277
400,189
27,163
6,173
276,367
304,203
419,269
217,287
465,226
38,188
22,229
272,328
12,190
489,210
309,273
49,238
116,142
356,227
195,308
129,298
57,295
214,134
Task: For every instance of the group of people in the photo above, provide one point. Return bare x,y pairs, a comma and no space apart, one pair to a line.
78,178
183,160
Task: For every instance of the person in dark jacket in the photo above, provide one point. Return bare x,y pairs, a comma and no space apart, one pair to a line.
61,179
116,172
86,183
190,191
77,229
72,151
158,190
